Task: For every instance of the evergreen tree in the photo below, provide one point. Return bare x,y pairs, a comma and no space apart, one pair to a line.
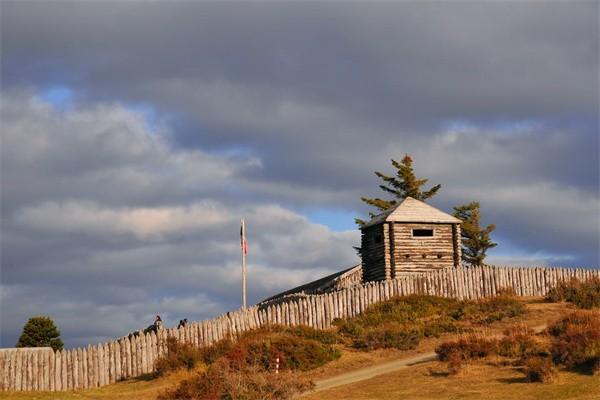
475,240
400,186
40,332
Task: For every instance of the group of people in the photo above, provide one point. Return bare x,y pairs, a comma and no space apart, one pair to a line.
158,323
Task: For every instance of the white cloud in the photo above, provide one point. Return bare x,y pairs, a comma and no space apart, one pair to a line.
125,220
144,223
108,224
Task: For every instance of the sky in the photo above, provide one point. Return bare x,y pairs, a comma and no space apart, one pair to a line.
136,135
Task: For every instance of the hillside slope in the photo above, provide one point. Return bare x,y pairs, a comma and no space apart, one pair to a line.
421,381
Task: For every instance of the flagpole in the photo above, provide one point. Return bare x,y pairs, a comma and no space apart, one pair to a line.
243,265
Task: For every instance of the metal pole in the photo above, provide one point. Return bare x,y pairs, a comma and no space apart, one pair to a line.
243,264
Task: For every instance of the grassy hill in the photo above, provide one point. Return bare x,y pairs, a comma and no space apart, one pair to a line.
396,329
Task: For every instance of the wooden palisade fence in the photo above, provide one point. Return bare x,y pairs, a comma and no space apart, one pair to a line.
101,364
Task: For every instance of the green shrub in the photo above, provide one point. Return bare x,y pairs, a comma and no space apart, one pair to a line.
576,340
222,382
400,322
388,336
400,310
574,343
467,348
299,348
455,362
320,335
489,310
539,369
210,354
295,353
583,294
440,326
519,342
179,355
580,318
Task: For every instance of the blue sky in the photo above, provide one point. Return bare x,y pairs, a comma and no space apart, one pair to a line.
135,136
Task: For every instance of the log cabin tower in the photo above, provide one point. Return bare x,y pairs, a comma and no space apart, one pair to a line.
408,238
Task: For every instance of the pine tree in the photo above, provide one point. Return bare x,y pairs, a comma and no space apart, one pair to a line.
475,240
401,186
40,332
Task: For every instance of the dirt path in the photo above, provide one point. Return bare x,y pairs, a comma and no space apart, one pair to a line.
370,372
384,368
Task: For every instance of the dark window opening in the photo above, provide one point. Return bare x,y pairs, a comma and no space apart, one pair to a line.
424,256
439,255
378,238
407,256
422,232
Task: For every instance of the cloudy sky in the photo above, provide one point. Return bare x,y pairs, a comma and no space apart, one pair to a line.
136,135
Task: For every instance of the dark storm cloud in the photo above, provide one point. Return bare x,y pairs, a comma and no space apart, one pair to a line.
439,59
335,82
264,109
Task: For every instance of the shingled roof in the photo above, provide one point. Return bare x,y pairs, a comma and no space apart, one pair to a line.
413,210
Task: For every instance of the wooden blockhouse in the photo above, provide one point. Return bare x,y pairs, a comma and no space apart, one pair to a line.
408,238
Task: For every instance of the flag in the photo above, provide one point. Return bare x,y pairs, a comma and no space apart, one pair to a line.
243,239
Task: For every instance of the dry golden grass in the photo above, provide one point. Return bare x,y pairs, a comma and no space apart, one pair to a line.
539,313
476,381
132,389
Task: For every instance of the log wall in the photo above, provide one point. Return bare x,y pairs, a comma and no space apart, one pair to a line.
389,250
375,253
349,278
418,254
93,366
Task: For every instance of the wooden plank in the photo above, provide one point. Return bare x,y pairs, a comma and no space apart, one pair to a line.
101,365
316,311
21,371
27,371
85,364
315,317
340,300
8,370
127,356
75,368
83,367
5,361
97,363
57,372
111,363
19,368
144,350
118,361
11,371
286,314
319,305
471,282
49,372
150,348
304,312
4,370
41,370
106,358
78,372
358,294
133,351
68,369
